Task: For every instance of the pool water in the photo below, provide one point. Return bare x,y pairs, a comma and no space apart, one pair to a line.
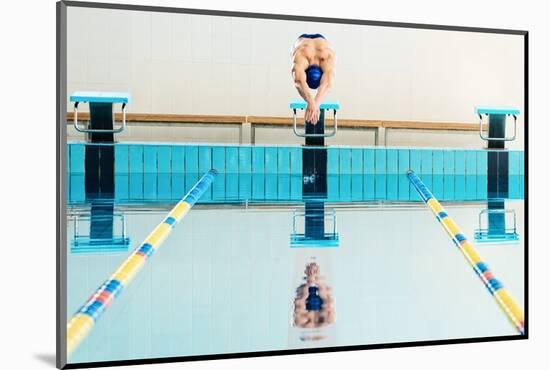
227,280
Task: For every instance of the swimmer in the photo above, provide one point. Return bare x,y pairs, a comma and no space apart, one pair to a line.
313,63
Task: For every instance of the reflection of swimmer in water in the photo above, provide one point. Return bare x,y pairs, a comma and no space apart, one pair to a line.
314,304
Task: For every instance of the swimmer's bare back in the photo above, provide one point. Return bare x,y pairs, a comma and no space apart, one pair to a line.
317,51
308,52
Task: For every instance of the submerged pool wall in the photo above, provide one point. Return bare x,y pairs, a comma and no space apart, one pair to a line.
165,172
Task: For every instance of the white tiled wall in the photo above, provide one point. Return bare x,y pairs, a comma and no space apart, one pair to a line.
196,64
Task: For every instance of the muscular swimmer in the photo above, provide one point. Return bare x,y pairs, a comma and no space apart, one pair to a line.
313,67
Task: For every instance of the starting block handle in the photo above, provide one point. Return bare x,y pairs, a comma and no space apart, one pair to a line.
100,97
488,111
100,131
326,134
300,104
488,138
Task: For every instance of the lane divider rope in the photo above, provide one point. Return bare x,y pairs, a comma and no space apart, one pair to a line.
507,303
80,325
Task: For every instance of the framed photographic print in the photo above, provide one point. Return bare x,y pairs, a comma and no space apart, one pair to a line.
238,184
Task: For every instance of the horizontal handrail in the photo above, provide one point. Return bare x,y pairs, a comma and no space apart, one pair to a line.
285,121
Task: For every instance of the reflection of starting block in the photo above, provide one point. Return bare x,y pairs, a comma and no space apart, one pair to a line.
314,235
496,230
101,236
300,104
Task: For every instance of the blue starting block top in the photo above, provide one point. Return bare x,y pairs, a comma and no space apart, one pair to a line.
100,97
497,110
301,104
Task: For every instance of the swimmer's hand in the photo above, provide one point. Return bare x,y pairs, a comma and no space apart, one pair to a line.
312,112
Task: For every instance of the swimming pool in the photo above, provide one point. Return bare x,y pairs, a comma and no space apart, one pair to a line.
226,279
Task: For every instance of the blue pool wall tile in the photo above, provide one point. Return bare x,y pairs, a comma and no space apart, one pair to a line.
136,185
178,159
218,186
164,189
232,171
296,161
356,161
283,160
122,159
164,159
296,186
135,153
333,169
392,161
205,165
205,159
459,162
471,170
258,160
380,180
368,174
68,160
481,174
437,170
448,162
513,174
415,161
258,186
368,161
471,162
345,161
438,162
391,173
77,158
426,167
245,160
460,175
192,159
122,187
271,160
426,161
283,186
481,165
333,161
218,159
345,173
356,174
245,172
149,186
191,166
522,163
513,163
283,171
258,172
150,159
403,167
78,191
448,173
522,174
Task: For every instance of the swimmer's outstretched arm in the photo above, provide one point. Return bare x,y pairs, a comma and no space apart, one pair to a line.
326,82
299,76
300,82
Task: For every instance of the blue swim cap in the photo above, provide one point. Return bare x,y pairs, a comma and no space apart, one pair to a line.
314,74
